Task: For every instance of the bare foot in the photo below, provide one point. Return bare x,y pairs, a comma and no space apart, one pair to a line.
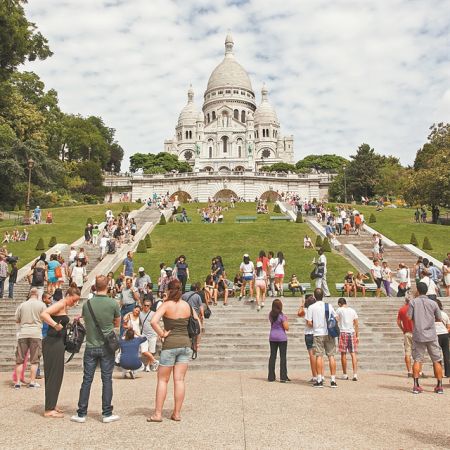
59,410
54,414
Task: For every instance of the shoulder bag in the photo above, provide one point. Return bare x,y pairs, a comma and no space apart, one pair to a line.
332,326
111,341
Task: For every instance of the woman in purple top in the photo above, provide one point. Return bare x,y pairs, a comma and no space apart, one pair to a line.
278,340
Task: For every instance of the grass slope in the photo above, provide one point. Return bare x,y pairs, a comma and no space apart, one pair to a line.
200,242
68,225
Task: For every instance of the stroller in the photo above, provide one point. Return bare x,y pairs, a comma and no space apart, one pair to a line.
111,246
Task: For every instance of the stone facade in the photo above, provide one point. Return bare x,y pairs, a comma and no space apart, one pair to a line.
231,133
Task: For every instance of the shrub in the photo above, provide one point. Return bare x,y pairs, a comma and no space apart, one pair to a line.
125,208
142,247
326,245
318,241
299,218
138,200
276,208
426,244
372,218
148,241
162,220
40,244
314,200
52,242
89,221
413,240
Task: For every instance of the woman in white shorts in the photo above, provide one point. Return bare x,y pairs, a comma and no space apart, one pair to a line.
279,272
261,285
247,269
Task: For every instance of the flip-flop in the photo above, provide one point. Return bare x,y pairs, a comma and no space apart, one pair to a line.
151,419
172,417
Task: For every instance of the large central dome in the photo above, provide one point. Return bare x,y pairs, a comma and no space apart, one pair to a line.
229,73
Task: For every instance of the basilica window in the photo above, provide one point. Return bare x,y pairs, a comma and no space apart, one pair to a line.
208,119
235,92
190,134
227,92
236,114
239,152
242,93
187,134
243,116
188,155
264,132
220,92
266,153
256,134
225,144
210,152
213,115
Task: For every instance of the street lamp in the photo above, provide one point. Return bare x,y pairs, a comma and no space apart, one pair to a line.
345,184
26,218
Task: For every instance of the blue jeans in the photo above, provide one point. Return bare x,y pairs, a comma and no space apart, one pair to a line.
123,312
11,289
2,285
93,356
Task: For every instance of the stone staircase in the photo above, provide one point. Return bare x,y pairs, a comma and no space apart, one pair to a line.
236,337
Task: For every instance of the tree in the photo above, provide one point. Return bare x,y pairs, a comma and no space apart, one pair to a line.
161,163
40,244
322,163
413,240
280,167
319,241
52,242
426,244
326,245
299,218
148,241
141,248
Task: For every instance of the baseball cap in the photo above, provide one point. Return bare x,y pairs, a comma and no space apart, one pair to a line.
246,255
141,269
168,269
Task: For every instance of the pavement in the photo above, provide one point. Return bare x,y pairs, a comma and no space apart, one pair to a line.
236,410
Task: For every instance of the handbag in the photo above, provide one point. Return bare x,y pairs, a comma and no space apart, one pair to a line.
332,326
58,272
111,341
207,311
193,326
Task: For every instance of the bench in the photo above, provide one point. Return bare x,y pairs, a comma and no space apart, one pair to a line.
370,287
280,218
306,287
179,218
240,219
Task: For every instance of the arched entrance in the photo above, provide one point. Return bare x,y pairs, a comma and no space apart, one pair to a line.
224,169
239,169
270,196
183,196
225,195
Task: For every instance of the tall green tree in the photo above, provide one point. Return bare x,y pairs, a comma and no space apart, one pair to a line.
160,163
322,163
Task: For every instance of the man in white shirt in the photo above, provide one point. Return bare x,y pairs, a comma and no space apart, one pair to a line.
348,339
321,282
322,343
103,245
432,289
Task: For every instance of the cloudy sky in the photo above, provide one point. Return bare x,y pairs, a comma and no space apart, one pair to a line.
340,72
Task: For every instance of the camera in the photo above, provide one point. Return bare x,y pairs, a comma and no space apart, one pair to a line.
10,259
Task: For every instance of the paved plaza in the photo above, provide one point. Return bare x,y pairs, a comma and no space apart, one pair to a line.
236,410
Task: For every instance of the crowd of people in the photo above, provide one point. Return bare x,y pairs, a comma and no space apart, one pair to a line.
15,236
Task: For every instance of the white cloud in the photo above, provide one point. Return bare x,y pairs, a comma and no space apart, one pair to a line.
339,72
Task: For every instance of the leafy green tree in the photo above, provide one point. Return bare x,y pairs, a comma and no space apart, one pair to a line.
322,163
160,163
280,167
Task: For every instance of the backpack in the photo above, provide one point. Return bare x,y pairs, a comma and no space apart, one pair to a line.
193,325
75,333
332,326
38,277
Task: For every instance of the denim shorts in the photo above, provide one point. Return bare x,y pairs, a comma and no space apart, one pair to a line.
309,338
173,356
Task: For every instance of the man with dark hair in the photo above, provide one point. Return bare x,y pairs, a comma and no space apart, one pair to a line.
406,325
424,312
107,314
322,342
321,281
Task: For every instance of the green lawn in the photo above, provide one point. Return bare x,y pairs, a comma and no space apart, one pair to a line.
68,225
398,224
200,242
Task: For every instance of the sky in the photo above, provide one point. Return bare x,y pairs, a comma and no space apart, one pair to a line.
339,72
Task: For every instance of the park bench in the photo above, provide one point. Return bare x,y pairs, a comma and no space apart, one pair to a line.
370,287
240,219
280,218
179,218
306,287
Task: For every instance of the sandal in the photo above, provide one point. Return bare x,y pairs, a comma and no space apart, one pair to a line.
54,415
151,419
175,419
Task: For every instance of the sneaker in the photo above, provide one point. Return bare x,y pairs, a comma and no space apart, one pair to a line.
78,419
17,386
132,374
111,418
34,385
147,368
344,377
417,390
287,380
438,390
154,367
258,308
333,384
312,380
262,305
318,384
240,298
355,378
124,375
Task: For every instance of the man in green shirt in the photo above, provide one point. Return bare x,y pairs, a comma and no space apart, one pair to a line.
107,313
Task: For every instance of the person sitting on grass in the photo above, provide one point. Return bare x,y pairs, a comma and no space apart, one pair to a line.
129,361
349,284
307,242
294,285
24,235
6,237
359,283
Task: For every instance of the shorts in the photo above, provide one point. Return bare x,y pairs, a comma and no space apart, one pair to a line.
52,279
34,345
347,343
248,277
324,344
149,345
309,339
279,275
432,347
407,343
378,282
260,284
174,356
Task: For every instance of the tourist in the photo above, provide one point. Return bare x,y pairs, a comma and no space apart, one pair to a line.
432,289
194,299
424,312
129,360
12,279
435,273
38,274
446,276
406,325
181,271
321,281
294,285
176,349
279,273
128,265
81,255
145,316
103,245
375,246
322,342
29,336
309,335
95,234
307,242
211,289
265,261
418,267
349,337
141,282
247,270
358,222
3,273
107,314
166,280
376,276
271,273
78,274
52,278
442,331
88,233
350,284
260,285
128,299
53,349
278,341
403,280
386,276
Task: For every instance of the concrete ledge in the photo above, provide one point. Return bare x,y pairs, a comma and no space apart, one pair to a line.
319,229
286,211
386,241
362,262
416,251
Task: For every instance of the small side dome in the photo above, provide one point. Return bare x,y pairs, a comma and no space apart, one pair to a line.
265,114
200,117
189,113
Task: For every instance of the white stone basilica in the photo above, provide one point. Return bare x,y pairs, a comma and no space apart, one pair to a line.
231,134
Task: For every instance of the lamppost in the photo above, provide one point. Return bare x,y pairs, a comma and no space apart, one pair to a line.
26,218
111,190
345,184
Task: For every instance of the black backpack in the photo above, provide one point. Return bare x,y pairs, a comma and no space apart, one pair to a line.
193,325
75,333
38,277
